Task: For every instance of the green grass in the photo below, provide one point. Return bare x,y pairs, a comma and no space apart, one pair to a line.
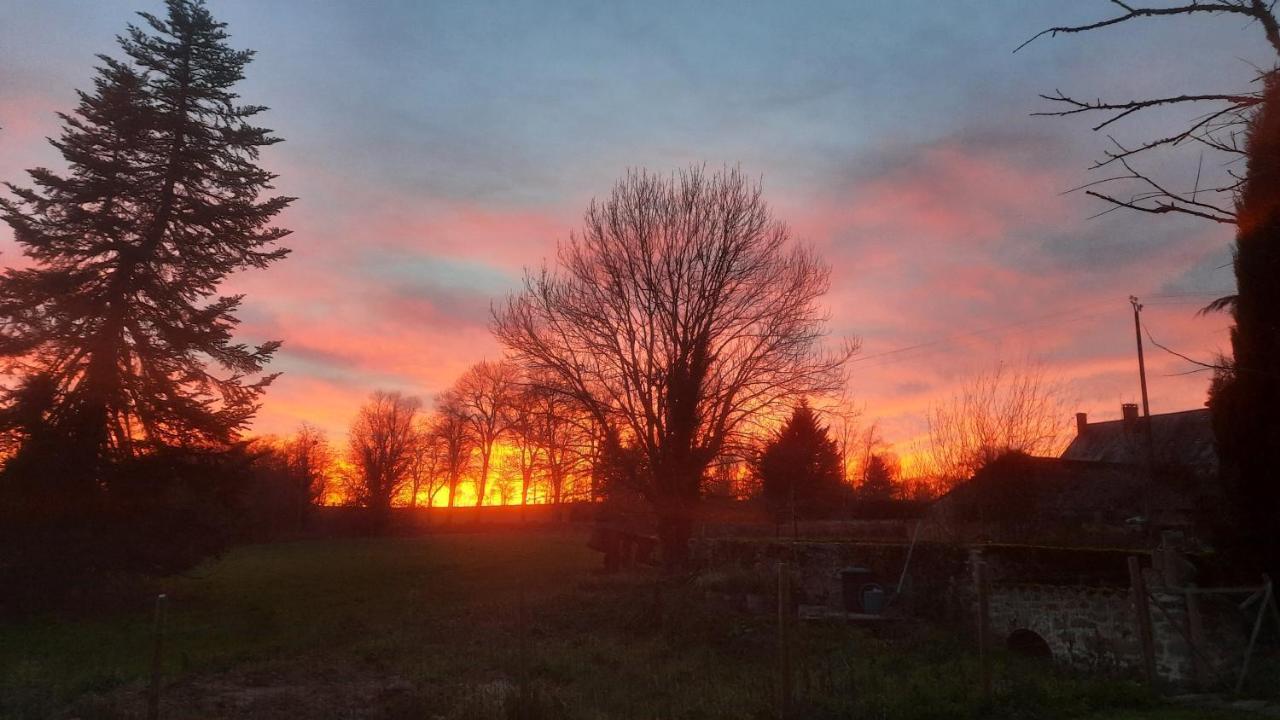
428,627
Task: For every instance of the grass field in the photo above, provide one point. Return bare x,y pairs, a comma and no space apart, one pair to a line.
429,627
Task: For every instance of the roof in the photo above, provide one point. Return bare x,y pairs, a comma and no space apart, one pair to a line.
1180,438
1053,484
1019,498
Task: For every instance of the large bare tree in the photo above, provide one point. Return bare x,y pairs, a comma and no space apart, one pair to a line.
486,391
381,450
681,310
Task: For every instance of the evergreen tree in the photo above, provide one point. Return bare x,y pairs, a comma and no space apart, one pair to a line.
1245,397
799,468
878,481
119,310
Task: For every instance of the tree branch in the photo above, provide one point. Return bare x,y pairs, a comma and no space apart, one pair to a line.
1254,9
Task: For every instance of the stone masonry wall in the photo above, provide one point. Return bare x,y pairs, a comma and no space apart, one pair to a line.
1087,627
1095,628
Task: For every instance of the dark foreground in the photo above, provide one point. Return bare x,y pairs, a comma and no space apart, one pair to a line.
498,625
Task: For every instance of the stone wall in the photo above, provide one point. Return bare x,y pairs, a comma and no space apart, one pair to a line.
1095,628
1086,618
1087,627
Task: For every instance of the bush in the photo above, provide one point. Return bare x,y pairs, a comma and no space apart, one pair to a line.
67,540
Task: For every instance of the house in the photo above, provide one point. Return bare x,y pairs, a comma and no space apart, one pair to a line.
1061,539
1178,439
1102,490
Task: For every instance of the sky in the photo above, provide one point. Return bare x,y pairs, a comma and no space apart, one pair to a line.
437,149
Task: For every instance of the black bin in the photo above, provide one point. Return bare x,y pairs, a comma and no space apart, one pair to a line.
852,580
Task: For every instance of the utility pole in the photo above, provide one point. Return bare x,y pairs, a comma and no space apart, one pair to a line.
1142,366
1145,425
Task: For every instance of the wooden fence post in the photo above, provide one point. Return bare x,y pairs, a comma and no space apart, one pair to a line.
983,587
784,642
1142,617
1195,638
157,650
522,659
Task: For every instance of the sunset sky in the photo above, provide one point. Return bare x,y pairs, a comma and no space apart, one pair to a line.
439,148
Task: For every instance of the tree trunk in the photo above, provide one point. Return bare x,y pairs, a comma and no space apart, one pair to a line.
675,529
483,480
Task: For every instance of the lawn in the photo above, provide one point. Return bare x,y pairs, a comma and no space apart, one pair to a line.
431,627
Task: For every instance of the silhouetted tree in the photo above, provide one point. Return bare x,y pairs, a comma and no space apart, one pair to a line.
129,387
863,446
428,475
450,424
529,437
310,460
842,424
1245,396
879,481
486,391
128,249
381,451
799,468
1010,409
289,477
680,311
550,434
507,480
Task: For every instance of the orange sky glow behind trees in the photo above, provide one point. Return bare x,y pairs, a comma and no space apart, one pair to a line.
952,244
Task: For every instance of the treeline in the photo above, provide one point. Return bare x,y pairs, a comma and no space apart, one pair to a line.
497,432
509,439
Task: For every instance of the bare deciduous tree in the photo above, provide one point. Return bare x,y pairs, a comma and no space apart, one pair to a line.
528,437
381,448
310,459
1216,121
452,429
427,472
679,311
561,432
486,391
1007,409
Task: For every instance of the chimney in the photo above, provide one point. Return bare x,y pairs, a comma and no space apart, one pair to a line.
1082,423
1129,412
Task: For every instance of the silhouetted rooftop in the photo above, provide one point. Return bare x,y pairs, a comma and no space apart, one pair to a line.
1180,438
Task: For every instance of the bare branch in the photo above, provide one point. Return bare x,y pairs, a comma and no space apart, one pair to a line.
1252,8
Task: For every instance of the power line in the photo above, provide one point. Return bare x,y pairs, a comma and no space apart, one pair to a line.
1079,312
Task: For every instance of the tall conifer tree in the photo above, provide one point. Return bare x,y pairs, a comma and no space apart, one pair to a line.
1245,396
119,310
799,468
